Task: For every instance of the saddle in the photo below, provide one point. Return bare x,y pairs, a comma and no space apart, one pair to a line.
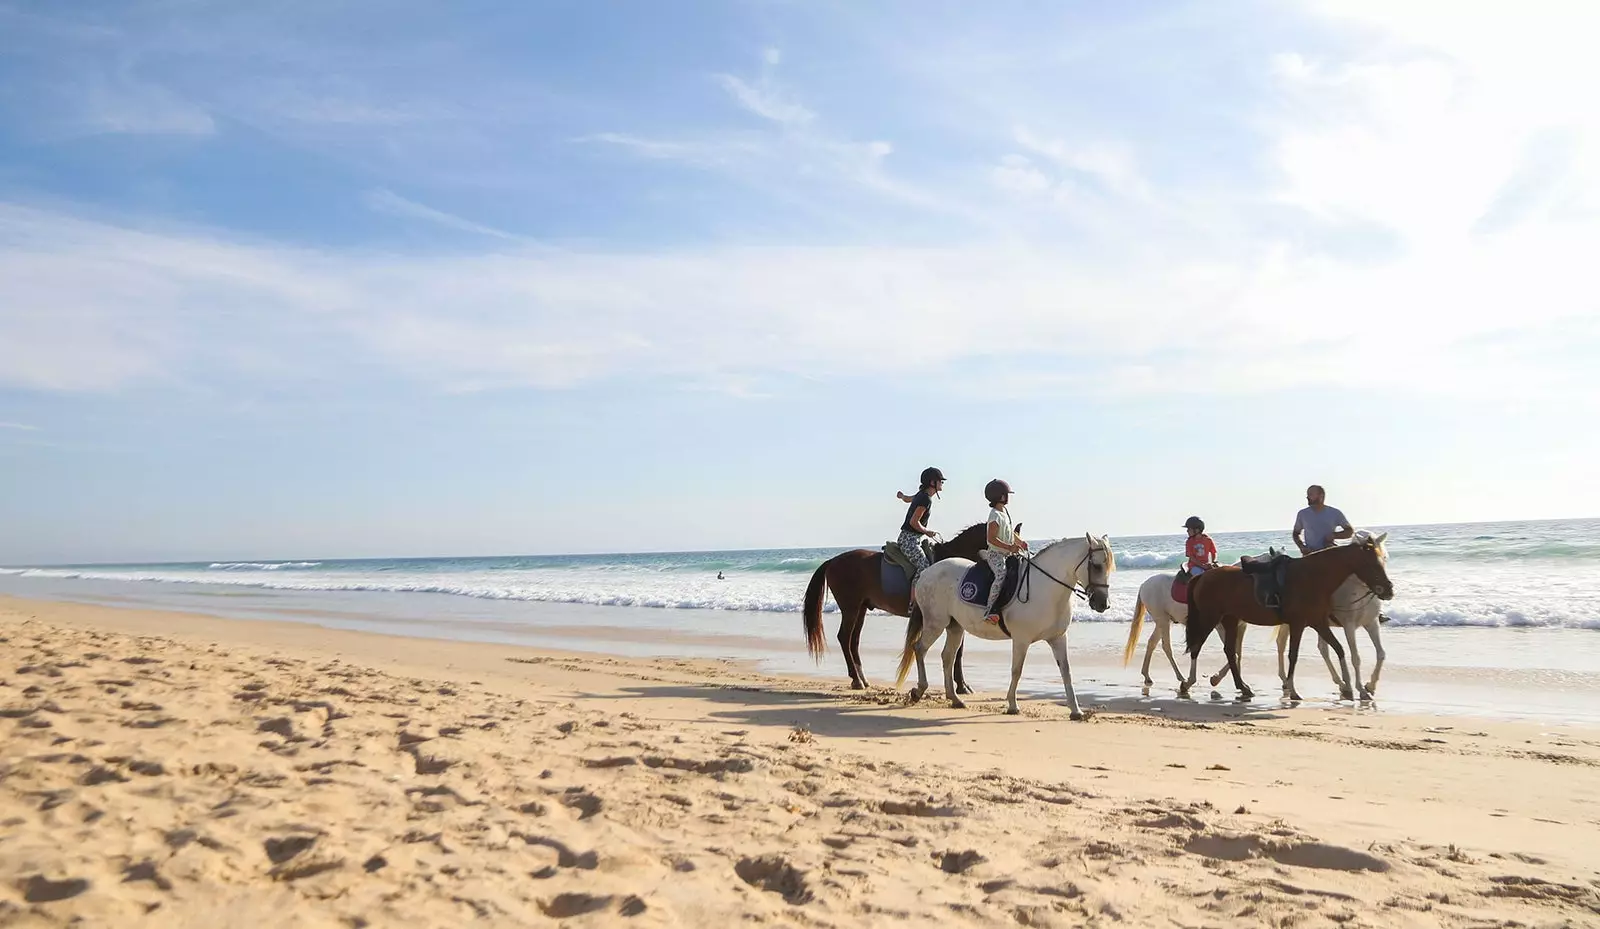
1271,576
979,580
1180,585
892,552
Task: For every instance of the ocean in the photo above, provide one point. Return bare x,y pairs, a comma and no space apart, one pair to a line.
1515,602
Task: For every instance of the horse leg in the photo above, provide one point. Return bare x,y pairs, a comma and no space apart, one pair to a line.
1282,636
1377,661
1345,692
1295,631
850,619
1150,651
930,634
1355,662
1058,645
1166,646
1217,678
961,677
952,653
855,647
1232,636
1019,653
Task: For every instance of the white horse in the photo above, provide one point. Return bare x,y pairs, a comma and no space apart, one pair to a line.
1155,598
1041,611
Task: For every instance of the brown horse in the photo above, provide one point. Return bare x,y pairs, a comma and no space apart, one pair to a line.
1226,596
856,580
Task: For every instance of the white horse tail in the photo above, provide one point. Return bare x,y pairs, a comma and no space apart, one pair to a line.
1133,633
909,653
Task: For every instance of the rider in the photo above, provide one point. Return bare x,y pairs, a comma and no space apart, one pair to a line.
1318,525
915,527
1002,541
1201,550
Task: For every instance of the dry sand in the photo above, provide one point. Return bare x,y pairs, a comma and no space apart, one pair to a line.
165,769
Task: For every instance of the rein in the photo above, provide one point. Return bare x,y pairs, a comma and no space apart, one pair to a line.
1025,589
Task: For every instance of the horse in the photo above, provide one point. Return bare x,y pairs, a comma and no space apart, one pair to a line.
1155,598
1225,597
1355,606
856,580
1042,611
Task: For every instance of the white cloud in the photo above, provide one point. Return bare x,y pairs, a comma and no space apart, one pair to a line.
87,306
386,201
765,100
22,426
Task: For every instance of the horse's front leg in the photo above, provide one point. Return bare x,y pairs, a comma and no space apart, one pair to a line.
952,653
1232,638
1226,665
1327,659
961,677
1019,654
1355,663
1281,635
1345,692
1058,646
930,633
1377,661
854,648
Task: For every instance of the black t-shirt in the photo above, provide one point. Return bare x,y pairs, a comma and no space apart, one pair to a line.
923,500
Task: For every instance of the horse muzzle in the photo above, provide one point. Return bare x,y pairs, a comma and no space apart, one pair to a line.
1387,593
1099,600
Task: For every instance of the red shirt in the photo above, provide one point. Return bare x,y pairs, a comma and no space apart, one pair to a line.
1201,550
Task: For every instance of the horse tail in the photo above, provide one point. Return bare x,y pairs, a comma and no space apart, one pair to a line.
813,611
1197,627
909,653
1133,633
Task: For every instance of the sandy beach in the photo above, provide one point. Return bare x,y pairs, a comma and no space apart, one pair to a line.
171,769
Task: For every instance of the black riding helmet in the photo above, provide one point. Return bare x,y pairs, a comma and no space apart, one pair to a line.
1195,522
995,491
931,476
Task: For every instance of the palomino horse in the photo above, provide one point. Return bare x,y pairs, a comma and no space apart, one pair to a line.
1226,597
1042,611
856,579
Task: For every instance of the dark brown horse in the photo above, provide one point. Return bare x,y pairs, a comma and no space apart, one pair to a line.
856,580
1226,597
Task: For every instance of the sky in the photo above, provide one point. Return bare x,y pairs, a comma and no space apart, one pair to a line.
379,279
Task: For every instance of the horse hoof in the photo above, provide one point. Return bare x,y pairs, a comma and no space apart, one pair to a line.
1216,679
1294,697
963,689
1372,689
1246,694
1346,695
1012,711
955,703
1183,690
1077,716
858,685
914,695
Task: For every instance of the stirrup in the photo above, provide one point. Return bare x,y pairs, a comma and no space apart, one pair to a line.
992,619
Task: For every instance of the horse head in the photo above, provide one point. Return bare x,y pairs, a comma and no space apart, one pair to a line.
1371,564
1100,562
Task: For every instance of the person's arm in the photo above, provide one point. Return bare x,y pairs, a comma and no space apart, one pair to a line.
917,516
902,497
1299,529
1344,531
1211,548
999,546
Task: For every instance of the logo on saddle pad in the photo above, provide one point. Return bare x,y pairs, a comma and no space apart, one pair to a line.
969,591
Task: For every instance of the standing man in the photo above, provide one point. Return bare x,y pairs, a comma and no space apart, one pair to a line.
1319,525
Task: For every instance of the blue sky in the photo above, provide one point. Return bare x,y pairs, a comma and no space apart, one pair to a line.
323,279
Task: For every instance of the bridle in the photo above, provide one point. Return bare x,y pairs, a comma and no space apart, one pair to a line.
1024,589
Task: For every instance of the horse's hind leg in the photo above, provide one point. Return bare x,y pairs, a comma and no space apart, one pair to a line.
1345,692
850,620
1058,646
952,653
1289,690
1166,646
855,647
961,677
1232,636
1019,654
1239,657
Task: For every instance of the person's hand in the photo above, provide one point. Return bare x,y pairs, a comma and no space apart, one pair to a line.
1022,545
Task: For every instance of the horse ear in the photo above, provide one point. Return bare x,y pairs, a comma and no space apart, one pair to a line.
1088,537
1382,537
